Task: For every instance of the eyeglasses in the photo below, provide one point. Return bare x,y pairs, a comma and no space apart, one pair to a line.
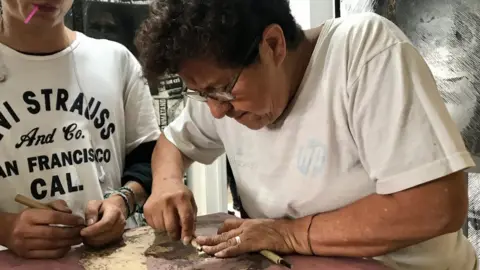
222,94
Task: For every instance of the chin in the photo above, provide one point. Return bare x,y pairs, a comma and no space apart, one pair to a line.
253,124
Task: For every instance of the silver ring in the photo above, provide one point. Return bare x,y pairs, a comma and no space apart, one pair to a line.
237,239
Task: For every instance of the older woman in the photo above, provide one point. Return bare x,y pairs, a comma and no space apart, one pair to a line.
338,138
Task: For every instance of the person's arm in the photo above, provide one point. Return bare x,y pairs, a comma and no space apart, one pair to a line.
137,166
192,136
141,130
379,224
170,163
137,176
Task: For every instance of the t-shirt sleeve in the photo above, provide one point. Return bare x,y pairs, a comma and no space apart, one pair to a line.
194,133
140,120
403,131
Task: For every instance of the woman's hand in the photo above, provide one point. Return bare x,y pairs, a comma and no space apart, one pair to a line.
105,221
239,236
37,234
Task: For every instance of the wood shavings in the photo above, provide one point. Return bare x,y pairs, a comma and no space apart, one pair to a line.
128,257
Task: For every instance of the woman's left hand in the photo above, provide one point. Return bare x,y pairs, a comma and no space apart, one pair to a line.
239,236
105,221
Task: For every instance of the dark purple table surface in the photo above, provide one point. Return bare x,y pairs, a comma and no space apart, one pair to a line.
71,261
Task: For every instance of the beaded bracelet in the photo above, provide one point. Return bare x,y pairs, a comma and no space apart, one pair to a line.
123,196
135,204
129,190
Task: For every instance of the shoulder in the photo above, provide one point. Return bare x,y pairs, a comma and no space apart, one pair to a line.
105,50
355,40
364,35
368,27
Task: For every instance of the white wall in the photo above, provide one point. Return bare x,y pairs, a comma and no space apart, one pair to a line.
312,13
320,11
209,183
301,12
209,186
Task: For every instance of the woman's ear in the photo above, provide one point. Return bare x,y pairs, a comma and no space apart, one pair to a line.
276,45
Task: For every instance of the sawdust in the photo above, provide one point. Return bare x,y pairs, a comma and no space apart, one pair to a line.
129,256
155,250
163,248
145,250
165,254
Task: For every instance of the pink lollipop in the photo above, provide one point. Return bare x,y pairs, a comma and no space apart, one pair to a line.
35,9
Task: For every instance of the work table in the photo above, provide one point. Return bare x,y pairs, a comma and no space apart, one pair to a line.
143,249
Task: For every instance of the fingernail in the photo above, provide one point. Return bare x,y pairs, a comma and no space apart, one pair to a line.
187,240
219,254
90,222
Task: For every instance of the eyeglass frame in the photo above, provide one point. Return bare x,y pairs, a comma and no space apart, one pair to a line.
223,94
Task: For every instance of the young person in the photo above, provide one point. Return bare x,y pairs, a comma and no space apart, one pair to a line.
76,124
338,138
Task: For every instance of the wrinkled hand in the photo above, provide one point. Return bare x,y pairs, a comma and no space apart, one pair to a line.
105,221
33,233
172,208
255,235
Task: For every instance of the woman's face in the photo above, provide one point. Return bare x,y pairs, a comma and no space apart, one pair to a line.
261,91
50,13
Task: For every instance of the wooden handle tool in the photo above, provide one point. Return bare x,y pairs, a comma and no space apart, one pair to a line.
31,203
196,245
275,258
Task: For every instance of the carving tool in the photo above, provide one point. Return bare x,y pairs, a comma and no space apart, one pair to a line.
201,253
31,203
196,245
37,205
32,13
275,258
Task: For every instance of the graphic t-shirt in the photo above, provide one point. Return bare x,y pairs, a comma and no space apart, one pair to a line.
68,120
366,119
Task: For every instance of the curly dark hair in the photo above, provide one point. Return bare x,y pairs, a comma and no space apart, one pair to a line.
221,30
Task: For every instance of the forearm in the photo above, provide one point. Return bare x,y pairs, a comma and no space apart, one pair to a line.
168,162
139,193
379,224
136,196
360,230
7,220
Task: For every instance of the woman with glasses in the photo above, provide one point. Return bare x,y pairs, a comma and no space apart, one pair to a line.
337,136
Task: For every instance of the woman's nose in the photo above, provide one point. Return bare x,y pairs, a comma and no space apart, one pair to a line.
218,109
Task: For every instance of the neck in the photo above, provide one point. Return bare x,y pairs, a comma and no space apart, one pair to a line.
33,38
297,61
296,64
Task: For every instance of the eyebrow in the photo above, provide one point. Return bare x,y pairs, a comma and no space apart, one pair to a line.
211,88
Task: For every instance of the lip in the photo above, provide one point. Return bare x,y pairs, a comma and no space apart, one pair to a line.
46,7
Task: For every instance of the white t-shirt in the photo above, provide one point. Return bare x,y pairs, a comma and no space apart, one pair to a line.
366,119
59,112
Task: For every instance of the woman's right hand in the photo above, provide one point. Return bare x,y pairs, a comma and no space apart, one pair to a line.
171,208
44,234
